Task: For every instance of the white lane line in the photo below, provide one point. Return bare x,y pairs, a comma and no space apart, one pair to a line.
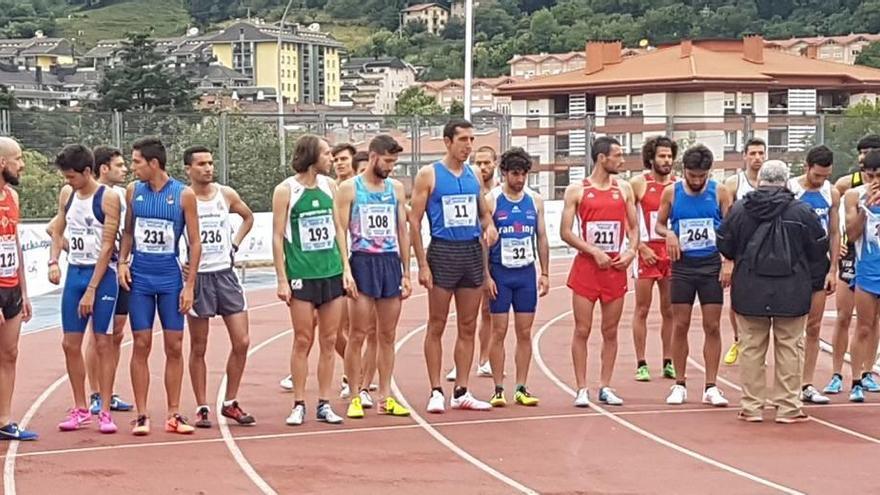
536,352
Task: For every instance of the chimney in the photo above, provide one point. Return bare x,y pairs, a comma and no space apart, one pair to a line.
687,47
753,48
594,57
611,52
812,52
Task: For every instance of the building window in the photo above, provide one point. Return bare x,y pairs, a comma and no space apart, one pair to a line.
534,107
745,104
616,106
534,180
622,139
637,106
729,103
532,144
636,139
729,141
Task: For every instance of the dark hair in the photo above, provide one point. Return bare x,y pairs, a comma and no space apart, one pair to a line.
649,149
151,148
515,159
454,125
871,141
755,142
306,152
820,155
872,160
75,157
697,157
602,146
487,149
360,156
339,148
192,150
104,155
384,144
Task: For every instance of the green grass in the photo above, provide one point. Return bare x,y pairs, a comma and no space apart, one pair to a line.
352,36
167,17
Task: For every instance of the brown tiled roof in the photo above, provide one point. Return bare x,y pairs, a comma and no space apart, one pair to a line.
490,81
821,40
422,6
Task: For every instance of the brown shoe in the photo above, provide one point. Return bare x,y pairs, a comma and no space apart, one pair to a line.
749,418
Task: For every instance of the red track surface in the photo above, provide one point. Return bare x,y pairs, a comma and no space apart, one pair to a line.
645,447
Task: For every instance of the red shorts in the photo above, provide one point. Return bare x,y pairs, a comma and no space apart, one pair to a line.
659,270
590,282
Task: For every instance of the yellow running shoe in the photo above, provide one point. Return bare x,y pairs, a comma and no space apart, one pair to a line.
498,400
522,397
355,409
732,354
391,407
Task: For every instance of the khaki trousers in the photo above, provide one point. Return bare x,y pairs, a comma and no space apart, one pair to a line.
788,345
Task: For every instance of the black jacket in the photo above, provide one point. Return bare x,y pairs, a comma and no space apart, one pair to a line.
752,293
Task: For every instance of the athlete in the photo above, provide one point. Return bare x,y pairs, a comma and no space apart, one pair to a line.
218,291
605,208
15,307
455,262
738,185
361,160
159,208
373,208
519,219
308,265
690,213
814,189
653,265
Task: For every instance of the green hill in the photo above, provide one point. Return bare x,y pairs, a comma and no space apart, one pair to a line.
87,26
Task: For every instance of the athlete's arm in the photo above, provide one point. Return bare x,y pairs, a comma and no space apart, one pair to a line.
732,184
662,228
632,229
638,185
543,247
127,241
57,233
280,202
422,188
110,206
834,240
403,241
843,184
724,201
238,206
573,194
26,310
486,221
342,202
855,216
191,218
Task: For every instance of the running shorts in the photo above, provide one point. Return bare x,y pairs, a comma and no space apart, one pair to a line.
697,277
659,270
317,291
218,294
152,293
587,280
122,302
377,275
10,301
75,285
456,265
846,265
517,288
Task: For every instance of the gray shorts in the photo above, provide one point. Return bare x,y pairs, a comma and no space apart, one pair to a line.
218,294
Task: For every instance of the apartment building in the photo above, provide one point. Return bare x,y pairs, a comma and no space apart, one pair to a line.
433,15
374,84
842,49
38,51
483,97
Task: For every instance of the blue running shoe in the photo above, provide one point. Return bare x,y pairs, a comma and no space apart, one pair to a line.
95,403
835,386
869,384
857,394
13,432
117,404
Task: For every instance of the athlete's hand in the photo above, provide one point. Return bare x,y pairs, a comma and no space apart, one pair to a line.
490,288
648,255
726,273
830,283
27,311
672,246
843,250
350,285
124,276
623,261
405,287
87,303
543,285
185,270
491,235
54,274
283,292
426,279
186,299
602,259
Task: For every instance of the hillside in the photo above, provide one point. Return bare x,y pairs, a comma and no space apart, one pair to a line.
87,26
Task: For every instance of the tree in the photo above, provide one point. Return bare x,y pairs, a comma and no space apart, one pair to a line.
7,99
414,101
842,132
143,82
454,30
40,183
456,109
870,55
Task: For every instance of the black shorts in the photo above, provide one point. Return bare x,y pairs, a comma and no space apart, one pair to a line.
217,294
846,266
317,291
456,265
10,301
377,275
122,302
697,277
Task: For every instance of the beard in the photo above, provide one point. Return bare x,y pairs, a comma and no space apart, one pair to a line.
10,179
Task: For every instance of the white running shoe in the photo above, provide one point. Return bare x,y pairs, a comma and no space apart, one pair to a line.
344,389
297,416
582,399
811,395
714,396
607,395
677,396
326,414
437,403
366,399
484,369
451,376
468,401
287,383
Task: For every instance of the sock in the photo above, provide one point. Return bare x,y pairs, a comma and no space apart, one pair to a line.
228,403
857,383
437,389
838,375
681,382
299,403
208,408
641,363
459,391
499,389
806,386
322,402
709,385
666,362
521,387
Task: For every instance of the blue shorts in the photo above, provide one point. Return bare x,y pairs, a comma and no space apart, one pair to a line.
377,275
517,287
149,293
75,285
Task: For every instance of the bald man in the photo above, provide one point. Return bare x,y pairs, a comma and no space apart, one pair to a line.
15,307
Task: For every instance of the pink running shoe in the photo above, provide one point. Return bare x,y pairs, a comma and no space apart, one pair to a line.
76,419
106,424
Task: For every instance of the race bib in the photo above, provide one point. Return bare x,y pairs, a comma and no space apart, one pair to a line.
378,221
652,233
316,233
214,237
154,236
696,233
604,235
8,257
84,248
517,253
872,228
460,210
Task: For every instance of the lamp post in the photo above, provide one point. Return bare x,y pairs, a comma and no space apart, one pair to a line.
279,96
468,55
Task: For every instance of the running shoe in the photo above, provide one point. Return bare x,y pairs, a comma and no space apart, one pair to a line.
669,371
732,354
642,374
297,415
715,397
452,375
857,394
326,414
355,409
95,403
366,399
234,412
498,400
468,401
287,383
484,370
117,404
437,403
204,417
607,395
524,398
787,420
141,426
105,423
178,424
13,432
811,395
678,395
392,408
869,384
749,418
344,389
76,419
582,399
835,386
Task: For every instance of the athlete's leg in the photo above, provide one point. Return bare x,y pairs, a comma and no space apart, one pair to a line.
360,309
93,366
813,328
239,338
644,295
302,317
198,345
9,332
467,307
104,348
371,352
438,310
523,322
496,357
388,312
342,334
845,303
583,322
681,316
142,314
486,330
664,287
76,368
329,316
611,312
173,342
712,343
866,317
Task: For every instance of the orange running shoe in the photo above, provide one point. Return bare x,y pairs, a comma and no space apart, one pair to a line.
178,424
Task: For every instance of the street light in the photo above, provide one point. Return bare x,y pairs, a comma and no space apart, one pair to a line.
468,55
279,96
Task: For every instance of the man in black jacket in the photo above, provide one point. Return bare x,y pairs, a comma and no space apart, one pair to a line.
774,240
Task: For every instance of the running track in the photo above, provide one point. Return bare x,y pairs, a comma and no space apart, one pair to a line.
643,447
